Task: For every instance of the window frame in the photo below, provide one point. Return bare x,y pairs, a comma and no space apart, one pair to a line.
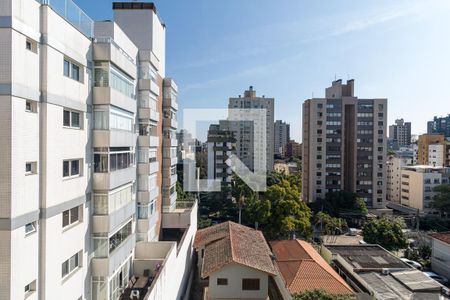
70,215
222,281
75,260
69,67
33,224
71,113
70,168
251,284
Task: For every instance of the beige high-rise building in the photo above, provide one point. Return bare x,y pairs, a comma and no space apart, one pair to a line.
344,145
87,124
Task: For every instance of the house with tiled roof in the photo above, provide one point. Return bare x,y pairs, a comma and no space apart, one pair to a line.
440,253
236,260
302,268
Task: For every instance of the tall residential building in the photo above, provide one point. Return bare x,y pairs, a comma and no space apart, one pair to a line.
293,149
344,145
425,140
439,125
394,177
281,137
400,133
418,183
221,145
81,109
244,130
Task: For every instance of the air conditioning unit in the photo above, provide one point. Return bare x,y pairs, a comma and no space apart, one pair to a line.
385,271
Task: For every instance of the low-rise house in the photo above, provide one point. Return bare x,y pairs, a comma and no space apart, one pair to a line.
302,269
236,260
372,270
440,255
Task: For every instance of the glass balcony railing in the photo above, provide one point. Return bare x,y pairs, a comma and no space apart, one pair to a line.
72,14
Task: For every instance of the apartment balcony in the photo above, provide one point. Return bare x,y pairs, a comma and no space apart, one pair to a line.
148,55
145,197
106,49
148,141
111,222
148,168
109,96
181,216
113,138
172,123
149,85
106,266
147,113
111,180
168,142
170,102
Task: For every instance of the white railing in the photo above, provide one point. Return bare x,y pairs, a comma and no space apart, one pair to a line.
110,40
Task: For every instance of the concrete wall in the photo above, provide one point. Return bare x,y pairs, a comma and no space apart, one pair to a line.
440,258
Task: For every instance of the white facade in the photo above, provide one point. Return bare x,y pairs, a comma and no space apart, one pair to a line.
244,131
418,183
436,155
394,173
235,274
79,184
440,257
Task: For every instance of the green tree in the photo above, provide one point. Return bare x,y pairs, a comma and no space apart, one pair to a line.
288,213
319,294
328,224
425,251
386,233
442,199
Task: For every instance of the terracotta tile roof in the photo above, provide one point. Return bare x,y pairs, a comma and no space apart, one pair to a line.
302,268
442,236
229,242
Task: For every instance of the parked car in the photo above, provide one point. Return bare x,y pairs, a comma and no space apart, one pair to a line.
412,263
438,278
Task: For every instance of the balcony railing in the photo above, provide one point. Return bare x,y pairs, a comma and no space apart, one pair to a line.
72,14
110,40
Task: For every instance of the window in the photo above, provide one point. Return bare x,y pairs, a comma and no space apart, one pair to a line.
31,287
72,70
71,118
30,106
71,168
250,284
70,265
119,237
107,75
30,228
71,216
30,168
119,158
31,45
222,281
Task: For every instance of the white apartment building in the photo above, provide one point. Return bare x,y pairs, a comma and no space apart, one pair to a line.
84,155
436,155
418,183
244,131
281,137
394,174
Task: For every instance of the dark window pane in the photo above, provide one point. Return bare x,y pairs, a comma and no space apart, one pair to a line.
65,268
75,72
65,168
66,119
113,164
222,281
75,167
74,215
66,68
65,218
75,119
250,284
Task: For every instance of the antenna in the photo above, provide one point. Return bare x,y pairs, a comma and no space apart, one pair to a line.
334,76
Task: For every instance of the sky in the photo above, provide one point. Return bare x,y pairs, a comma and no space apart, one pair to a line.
292,50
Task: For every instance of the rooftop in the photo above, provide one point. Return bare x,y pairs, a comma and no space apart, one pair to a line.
230,242
367,257
302,268
442,236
